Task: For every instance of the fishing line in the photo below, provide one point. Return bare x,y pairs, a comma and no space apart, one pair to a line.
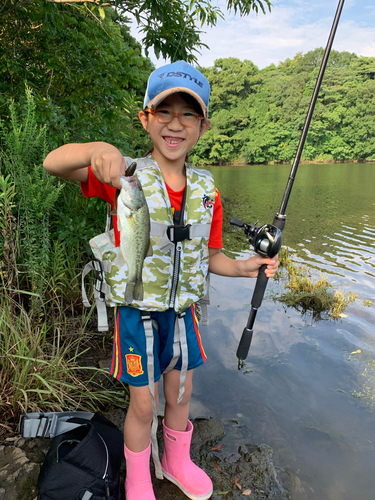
267,239
179,43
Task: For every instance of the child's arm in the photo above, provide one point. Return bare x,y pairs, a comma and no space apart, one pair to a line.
71,162
224,266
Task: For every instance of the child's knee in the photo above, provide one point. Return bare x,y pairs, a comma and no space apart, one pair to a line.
172,387
141,403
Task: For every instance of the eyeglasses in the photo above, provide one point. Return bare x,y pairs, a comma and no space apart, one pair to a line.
187,119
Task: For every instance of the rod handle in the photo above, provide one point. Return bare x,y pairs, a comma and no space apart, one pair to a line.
260,287
244,345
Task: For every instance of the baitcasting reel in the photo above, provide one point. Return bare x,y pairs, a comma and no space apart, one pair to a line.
265,239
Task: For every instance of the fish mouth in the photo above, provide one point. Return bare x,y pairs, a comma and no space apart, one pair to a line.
130,208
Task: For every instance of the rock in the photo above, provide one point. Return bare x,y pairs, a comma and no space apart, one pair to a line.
18,475
232,470
233,466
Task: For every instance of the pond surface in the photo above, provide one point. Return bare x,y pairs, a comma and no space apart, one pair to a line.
295,392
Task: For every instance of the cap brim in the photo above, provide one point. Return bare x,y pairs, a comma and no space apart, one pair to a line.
163,95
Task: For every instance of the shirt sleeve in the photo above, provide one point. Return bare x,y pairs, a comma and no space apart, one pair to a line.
216,234
93,188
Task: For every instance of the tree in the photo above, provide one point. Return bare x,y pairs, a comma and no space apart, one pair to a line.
257,116
169,26
79,71
232,81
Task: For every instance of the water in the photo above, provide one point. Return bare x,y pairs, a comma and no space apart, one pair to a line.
295,392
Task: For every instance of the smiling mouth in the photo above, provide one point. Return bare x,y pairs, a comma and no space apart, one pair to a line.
173,141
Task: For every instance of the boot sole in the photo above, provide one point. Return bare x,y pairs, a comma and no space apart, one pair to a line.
206,496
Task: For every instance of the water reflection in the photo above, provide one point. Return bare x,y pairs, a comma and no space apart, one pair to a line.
295,390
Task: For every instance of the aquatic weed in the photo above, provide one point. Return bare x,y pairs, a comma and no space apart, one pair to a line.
366,383
319,298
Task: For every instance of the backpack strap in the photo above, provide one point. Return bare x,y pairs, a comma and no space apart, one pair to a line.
49,425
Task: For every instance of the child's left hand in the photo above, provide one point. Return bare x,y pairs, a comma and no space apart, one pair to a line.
252,265
224,266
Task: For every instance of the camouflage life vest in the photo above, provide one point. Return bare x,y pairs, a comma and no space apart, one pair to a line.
176,274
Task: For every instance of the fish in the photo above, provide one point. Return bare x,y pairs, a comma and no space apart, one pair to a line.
133,221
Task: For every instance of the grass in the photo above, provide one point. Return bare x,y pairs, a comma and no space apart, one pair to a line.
318,298
43,364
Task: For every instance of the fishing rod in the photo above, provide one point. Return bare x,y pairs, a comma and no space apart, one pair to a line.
267,239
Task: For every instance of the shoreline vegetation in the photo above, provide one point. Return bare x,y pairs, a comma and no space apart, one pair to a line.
276,162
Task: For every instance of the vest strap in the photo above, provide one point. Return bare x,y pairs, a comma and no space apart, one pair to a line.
100,290
180,324
176,351
204,302
147,325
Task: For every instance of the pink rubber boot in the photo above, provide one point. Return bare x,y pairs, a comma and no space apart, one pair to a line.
138,484
178,467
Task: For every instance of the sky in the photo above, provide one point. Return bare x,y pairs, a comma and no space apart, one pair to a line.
292,26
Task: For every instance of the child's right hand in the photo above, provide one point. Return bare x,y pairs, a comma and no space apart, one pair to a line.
107,164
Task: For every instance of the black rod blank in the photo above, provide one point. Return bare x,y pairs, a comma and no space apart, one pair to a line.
311,108
279,220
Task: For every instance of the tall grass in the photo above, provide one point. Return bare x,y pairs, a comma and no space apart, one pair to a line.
44,338
23,150
43,370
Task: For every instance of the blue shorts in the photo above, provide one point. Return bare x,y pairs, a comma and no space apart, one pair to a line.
129,358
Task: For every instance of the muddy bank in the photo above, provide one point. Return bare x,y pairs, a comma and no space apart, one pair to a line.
237,471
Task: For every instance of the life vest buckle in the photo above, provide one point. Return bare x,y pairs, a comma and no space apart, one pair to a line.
178,233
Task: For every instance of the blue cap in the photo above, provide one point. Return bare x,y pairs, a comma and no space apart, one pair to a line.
177,77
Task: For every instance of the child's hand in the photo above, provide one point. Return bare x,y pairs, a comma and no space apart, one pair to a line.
252,265
249,268
107,163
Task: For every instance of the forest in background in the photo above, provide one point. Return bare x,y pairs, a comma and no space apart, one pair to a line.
88,78
258,115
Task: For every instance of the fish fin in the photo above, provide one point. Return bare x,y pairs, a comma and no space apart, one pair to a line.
133,291
149,251
138,291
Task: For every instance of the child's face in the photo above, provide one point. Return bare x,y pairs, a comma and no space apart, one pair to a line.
172,141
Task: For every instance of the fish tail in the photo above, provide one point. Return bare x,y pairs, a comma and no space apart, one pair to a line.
133,291
138,291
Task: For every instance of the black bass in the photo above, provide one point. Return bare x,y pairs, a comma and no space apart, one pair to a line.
134,226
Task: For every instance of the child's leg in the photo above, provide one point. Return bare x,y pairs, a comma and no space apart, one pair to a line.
176,415
137,433
137,426
178,430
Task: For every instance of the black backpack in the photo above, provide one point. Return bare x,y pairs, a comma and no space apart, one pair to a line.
83,463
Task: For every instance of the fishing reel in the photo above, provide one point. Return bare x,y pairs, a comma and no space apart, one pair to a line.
266,239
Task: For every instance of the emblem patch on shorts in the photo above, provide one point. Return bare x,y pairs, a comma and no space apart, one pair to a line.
134,365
